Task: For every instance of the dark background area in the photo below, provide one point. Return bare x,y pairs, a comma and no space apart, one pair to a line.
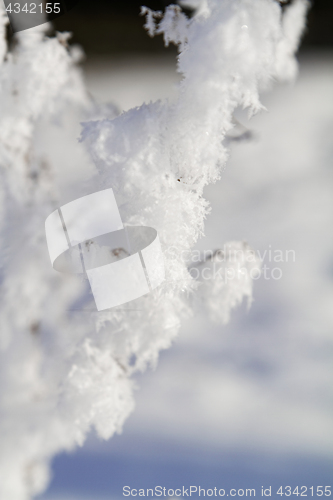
115,26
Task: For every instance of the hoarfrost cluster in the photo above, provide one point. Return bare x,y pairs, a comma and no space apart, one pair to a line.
64,372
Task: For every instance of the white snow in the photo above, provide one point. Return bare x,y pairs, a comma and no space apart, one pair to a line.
63,374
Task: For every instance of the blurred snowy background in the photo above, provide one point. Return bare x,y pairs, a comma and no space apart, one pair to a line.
248,404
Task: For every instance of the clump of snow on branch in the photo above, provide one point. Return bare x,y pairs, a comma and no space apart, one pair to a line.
173,24
64,373
292,28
